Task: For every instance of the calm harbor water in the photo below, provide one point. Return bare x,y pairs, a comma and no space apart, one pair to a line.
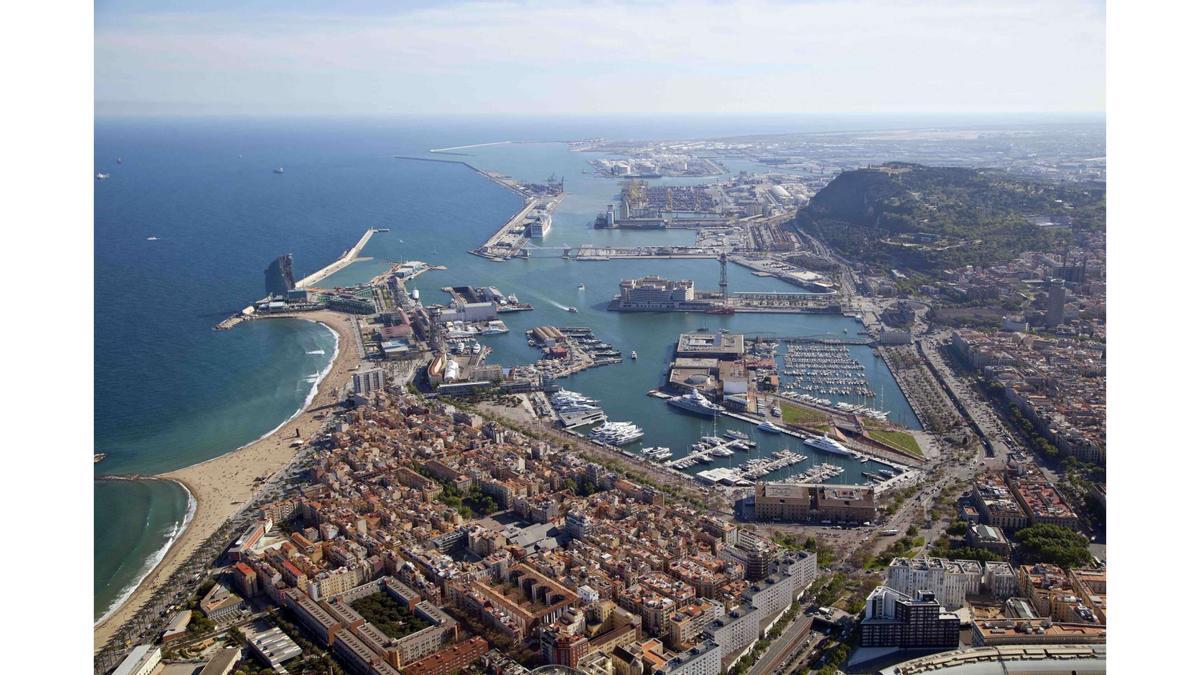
171,392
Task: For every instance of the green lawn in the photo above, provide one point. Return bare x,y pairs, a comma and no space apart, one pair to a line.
901,440
803,416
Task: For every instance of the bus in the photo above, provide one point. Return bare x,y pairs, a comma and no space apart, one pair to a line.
891,532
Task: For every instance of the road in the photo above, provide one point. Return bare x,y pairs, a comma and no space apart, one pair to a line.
783,647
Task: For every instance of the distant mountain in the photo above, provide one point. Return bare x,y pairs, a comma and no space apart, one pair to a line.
921,217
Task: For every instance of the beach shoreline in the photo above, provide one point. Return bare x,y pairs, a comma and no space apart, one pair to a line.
221,486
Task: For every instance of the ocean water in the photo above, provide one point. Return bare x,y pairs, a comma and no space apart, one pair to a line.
170,391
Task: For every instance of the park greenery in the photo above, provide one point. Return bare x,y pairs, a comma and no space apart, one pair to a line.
901,440
389,615
1053,544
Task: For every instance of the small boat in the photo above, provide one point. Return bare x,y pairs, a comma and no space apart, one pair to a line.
152,238
119,160
633,355
101,176
279,169
581,287
572,310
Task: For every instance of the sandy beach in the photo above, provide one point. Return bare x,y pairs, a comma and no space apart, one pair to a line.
222,485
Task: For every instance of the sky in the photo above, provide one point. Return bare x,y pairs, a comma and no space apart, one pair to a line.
598,57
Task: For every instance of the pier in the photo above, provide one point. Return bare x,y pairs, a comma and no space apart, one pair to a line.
348,257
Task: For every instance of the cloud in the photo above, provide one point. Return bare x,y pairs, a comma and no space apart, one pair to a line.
673,56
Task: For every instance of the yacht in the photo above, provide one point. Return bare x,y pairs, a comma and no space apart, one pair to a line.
828,445
766,426
694,402
736,435
476,348
617,433
152,238
658,454
721,452
496,327
581,287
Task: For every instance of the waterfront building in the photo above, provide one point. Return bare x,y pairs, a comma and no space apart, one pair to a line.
724,346
816,501
141,661
177,628
653,293
279,278
896,619
368,381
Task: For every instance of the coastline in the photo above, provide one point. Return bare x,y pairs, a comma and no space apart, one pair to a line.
221,486
151,562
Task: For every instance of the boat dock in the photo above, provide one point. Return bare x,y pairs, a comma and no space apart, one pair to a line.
510,239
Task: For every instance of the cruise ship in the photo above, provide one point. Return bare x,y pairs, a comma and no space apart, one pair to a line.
694,402
617,433
828,445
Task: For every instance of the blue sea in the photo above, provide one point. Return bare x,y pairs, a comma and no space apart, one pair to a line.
170,391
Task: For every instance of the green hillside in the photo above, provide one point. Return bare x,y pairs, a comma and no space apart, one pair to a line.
913,216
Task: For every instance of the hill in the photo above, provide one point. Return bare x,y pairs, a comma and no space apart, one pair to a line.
920,217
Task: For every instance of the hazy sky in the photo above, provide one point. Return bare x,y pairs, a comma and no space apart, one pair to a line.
595,57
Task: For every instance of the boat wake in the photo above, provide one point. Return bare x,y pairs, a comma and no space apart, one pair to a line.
316,352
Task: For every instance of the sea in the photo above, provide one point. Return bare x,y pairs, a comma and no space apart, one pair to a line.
194,210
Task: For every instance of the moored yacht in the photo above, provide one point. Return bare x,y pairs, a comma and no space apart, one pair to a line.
828,445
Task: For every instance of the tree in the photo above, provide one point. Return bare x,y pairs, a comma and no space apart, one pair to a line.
1053,544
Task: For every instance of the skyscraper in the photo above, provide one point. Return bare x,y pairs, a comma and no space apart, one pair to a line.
1055,303
279,279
